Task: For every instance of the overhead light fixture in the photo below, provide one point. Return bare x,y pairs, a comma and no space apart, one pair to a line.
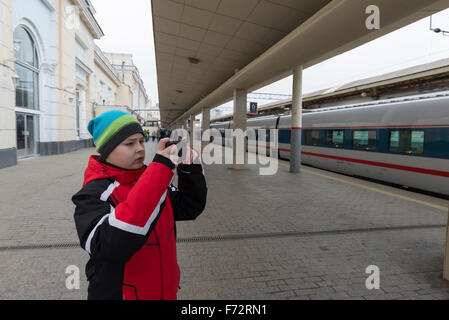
193,60
437,30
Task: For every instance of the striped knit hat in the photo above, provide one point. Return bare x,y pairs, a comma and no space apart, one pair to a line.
111,128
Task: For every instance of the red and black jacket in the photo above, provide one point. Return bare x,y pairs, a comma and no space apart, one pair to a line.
125,220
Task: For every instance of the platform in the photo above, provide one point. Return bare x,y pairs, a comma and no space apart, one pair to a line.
289,236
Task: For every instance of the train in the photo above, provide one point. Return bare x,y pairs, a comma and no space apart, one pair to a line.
403,143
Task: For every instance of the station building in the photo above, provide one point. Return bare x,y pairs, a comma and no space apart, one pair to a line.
54,79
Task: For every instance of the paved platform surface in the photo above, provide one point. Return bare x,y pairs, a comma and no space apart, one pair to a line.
289,236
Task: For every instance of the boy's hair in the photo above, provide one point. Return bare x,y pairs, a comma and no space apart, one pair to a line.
112,128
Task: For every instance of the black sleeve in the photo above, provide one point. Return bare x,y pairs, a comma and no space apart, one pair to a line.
189,199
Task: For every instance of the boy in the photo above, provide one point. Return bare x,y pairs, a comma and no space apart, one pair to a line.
125,213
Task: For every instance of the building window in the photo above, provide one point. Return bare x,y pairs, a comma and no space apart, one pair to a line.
335,138
95,88
407,141
102,93
81,50
27,68
110,96
312,137
78,105
364,140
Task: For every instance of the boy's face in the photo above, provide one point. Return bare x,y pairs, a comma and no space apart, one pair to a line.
130,154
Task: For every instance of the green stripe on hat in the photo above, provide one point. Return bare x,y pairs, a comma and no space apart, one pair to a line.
113,128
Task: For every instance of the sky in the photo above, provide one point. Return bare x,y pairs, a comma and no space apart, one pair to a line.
128,29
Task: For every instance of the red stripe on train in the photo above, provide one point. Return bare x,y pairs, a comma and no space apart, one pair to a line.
375,163
379,164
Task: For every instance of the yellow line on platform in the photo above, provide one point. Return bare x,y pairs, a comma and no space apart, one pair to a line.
425,203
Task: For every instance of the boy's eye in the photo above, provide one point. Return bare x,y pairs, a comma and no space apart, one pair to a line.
131,143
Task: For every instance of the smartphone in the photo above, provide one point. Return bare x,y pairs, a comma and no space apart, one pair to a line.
181,145
171,143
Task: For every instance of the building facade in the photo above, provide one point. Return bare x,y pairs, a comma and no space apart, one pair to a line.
106,86
133,92
54,79
8,78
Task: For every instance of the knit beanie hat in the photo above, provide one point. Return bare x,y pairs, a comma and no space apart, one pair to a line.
112,128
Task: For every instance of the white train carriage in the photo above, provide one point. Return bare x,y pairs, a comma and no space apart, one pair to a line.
405,143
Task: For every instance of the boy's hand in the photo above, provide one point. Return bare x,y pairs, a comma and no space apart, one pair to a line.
192,157
170,152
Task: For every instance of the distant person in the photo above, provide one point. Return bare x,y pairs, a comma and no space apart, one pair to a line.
125,213
147,135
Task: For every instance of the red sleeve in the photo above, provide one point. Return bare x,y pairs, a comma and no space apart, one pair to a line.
144,201
118,233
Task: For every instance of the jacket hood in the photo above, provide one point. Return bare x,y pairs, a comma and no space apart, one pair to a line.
98,170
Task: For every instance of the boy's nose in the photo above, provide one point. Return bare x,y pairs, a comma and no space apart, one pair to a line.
140,148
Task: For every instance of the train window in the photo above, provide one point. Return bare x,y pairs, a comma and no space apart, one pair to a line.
407,141
312,137
335,138
417,144
364,140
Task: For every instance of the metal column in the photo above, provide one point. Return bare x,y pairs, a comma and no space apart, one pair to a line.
205,125
240,111
296,148
192,130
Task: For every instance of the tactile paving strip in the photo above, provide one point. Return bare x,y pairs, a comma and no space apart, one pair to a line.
235,237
